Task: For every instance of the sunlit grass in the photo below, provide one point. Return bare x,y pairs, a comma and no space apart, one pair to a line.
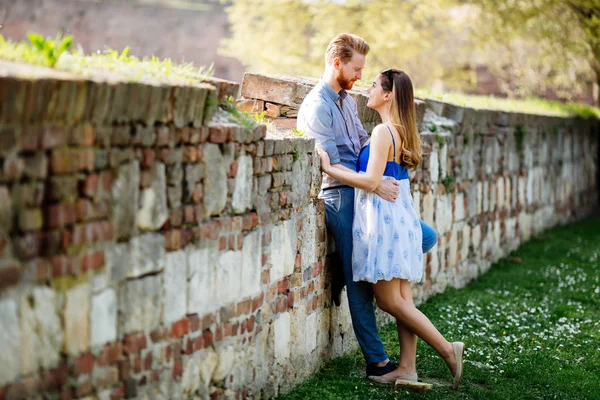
528,106
151,70
531,325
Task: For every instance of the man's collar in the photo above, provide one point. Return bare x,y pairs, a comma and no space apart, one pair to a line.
332,94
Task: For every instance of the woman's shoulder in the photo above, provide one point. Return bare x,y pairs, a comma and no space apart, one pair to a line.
381,131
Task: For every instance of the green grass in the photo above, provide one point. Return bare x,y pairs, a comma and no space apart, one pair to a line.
151,70
532,329
528,106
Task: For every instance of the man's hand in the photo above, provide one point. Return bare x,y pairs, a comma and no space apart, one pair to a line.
388,190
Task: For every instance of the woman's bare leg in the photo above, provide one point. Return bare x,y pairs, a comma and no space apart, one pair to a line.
406,338
389,299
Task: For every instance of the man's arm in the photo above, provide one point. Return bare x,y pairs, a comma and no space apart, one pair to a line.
317,122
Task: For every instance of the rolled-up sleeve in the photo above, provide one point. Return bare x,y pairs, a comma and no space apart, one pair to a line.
317,122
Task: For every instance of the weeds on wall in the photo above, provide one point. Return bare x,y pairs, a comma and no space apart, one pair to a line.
56,53
38,51
246,120
441,140
449,183
520,133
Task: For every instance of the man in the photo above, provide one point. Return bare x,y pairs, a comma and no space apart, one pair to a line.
330,115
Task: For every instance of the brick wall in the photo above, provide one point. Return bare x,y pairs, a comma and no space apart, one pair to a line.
151,248
148,247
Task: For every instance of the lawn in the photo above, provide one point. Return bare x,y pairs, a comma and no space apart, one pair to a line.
531,324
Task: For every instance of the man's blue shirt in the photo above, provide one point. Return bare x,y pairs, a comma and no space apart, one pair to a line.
337,129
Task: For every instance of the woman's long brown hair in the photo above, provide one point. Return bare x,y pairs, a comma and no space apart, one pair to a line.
403,115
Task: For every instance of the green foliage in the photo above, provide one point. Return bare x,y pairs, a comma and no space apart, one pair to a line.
520,133
296,155
449,183
466,139
440,140
39,50
546,45
555,131
297,132
53,53
433,128
149,70
242,118
530,325
259,118
558,41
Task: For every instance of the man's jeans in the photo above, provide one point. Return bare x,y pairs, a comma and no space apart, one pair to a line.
339,214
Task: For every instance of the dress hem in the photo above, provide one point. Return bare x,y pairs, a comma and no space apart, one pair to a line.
388,279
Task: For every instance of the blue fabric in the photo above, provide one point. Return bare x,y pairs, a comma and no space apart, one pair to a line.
430,237
392,168
337,129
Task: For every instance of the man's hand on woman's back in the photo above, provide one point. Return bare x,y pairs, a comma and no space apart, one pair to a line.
388,190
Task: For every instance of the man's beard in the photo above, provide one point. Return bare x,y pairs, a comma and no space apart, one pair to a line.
344,82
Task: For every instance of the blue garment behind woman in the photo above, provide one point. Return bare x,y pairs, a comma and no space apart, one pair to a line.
387,236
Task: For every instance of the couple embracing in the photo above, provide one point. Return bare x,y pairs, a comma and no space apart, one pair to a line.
369,208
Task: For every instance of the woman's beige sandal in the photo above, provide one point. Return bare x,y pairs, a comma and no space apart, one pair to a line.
459,352
385,381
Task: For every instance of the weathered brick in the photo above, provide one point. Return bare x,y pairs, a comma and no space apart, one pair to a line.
89,185
135,342
63,265
258,301
85,210
180,328
273,110
177,369
195,322
85,159
92,261
63,188
207,337
250,105
28,194
9,276
30,219
54,137
110,354
36,166
63,160
159,334
12,168
218,134
84,364
173,239
83,135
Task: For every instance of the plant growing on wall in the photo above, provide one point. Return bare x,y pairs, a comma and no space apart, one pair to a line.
39,50
520,133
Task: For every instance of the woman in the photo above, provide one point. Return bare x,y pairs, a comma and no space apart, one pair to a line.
387,236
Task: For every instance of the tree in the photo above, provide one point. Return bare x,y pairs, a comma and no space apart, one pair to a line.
290,36
555,40
531,46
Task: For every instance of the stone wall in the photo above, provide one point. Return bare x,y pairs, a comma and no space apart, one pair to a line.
151,248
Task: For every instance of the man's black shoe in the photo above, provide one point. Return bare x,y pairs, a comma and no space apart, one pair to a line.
374,370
